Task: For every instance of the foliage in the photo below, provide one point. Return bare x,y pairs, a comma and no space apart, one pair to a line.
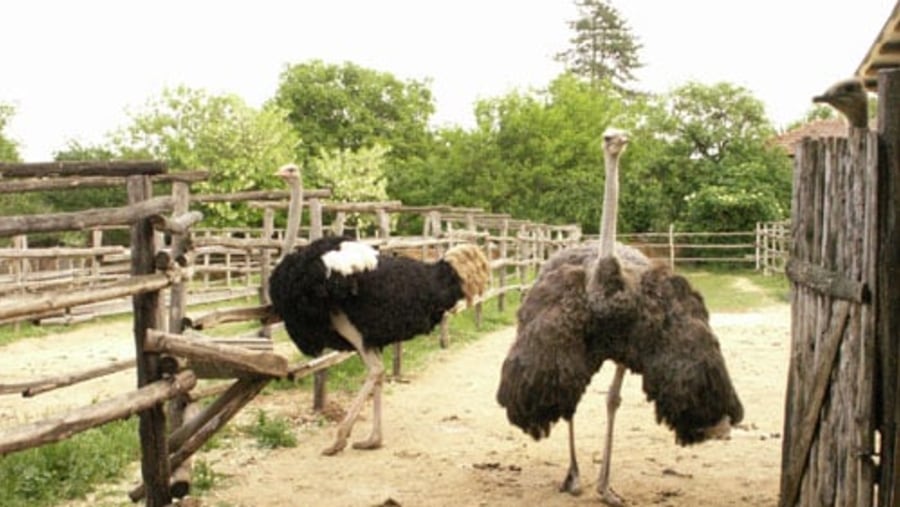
534,155
69,469
204,477
603,47
348,107
715,136
718,209
352,176
192,129
9,149
15,204
271,433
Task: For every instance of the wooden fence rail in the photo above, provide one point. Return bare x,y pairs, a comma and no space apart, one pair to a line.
162,350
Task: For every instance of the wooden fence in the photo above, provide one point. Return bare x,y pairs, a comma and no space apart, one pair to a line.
829,444
765,248
170,353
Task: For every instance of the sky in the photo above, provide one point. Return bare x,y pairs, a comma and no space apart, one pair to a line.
73,70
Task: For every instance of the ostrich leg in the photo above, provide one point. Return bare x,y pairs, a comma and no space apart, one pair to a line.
572,483
372,385
613,400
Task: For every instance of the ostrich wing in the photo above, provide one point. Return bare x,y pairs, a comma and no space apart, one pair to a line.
547,368
679,355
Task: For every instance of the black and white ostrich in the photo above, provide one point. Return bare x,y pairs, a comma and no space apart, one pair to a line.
338,293
592,303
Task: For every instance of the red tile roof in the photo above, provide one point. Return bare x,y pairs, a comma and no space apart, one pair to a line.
834,127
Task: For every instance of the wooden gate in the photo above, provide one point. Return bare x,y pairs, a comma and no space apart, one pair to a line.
827,456
842,408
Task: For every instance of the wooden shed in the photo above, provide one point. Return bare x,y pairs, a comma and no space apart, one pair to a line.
841,440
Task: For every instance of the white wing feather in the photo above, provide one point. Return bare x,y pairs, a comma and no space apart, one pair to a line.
352,257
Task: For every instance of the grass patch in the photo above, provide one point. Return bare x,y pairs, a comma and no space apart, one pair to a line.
69,469
204,478
737,290
271,432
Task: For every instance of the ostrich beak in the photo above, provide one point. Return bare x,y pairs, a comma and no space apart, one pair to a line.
287,171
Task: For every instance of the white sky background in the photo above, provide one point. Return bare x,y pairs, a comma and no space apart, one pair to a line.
73,69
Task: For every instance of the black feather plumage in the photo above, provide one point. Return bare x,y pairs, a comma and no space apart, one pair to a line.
398,300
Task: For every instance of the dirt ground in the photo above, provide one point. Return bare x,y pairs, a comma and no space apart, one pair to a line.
447,442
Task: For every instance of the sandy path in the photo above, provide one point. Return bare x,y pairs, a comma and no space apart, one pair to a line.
448,443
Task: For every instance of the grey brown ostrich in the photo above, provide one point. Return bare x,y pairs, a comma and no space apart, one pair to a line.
850,98
338,293
593,303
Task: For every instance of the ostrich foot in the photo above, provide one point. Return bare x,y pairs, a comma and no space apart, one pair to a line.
610,497
336,447
368,444
571,484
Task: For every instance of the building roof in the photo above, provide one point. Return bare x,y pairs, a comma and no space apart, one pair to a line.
885,51
832,127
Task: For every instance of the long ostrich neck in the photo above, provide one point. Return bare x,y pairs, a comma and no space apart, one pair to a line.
610,206
295,208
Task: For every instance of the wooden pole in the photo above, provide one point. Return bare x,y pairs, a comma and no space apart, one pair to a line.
887,293
504,253
320,379
179,406
265,267
152,424
672,246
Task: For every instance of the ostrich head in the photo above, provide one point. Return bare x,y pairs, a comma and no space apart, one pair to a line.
849,97
290,173
614,141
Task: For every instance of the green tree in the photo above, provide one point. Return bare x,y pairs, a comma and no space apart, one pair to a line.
603,47
352,176
15,204
717,136
9,149
535,155
349,107
192,129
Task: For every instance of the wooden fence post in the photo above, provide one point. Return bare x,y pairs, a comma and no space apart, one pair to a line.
887,294
320,378
147,309
672,246
265,267
504,251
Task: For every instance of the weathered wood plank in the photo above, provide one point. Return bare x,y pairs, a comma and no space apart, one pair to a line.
261,363
147,315
826,282
887,292
53,301
94,168
80,220
64,426
187,439
263,313
260,195
45,384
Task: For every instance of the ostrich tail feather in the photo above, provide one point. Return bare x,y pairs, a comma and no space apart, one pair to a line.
473,269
